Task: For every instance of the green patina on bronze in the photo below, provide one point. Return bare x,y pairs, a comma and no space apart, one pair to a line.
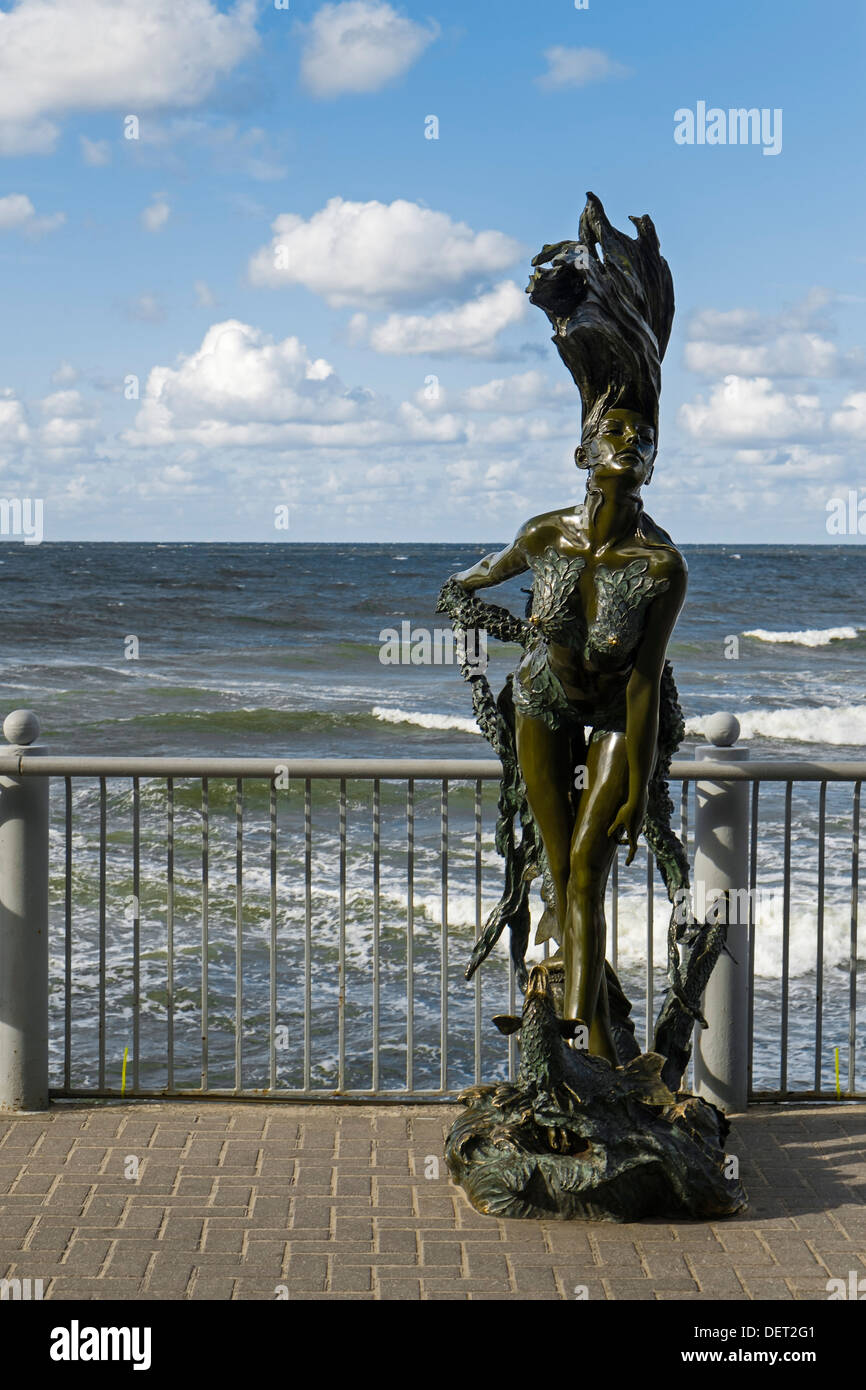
575,1137
608,584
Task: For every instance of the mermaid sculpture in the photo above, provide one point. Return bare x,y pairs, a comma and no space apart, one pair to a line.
602,1131
607,586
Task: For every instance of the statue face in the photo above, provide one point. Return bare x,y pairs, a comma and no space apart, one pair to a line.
623,446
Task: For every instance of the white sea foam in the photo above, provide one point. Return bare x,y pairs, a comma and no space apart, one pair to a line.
425,721
833,724
808,637
632,929
631,934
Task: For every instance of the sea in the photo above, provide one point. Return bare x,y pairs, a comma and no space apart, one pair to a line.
295,651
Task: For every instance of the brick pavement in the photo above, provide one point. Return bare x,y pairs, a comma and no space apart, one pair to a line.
266,1200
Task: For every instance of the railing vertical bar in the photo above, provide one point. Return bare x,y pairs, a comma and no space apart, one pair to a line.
308,926
852,965
410,931
205,925
102,876
477,979
136,929
786,937
443,939
819,934
272,981
169,922
377,885
239,932
648,1025
341,1017
684,816
512,1008
67,944
614,912
753,878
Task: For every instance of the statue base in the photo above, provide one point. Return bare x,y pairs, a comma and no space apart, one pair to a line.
520,1154
576,1137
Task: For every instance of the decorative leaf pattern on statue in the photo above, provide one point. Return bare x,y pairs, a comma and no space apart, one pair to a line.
556,577
622,597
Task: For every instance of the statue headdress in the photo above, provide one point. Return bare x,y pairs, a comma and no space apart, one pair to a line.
611,315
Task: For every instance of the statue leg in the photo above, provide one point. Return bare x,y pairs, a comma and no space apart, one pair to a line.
546,762
592,853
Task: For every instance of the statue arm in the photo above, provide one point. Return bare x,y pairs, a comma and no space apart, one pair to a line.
642,708
495,568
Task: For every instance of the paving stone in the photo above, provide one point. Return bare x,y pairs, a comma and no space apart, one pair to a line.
482,1261
393,1289
221,1288
130,1258
86,1256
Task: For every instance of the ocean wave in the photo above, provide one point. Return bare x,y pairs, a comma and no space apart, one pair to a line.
258,720
425,721
839,725
808,637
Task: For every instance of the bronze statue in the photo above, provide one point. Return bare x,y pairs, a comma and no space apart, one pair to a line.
607,586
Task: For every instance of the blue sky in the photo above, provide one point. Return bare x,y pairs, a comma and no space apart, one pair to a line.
323,310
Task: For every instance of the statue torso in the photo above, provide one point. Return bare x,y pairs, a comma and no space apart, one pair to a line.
589,612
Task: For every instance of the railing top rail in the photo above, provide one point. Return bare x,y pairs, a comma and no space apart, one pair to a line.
37,764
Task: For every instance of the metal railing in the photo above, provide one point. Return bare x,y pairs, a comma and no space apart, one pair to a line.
287,929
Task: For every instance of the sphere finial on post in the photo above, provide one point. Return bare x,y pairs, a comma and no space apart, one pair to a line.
723,730
21,727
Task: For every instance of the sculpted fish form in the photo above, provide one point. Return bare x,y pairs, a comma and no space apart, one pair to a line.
571,1074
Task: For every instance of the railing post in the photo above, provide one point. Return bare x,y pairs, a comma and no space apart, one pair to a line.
23,927
721,866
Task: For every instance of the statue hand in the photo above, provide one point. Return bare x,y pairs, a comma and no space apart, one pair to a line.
550,250
630,819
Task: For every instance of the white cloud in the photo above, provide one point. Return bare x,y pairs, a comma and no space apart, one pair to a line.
66,404
69,424
577,67
181,142
13,423
155,216
204,295
516,394
727,325
359,46
17,214
790,354
751,410
471,328
146,308
242,390
33,137
851,419
372,254
101,55
800,461
63,435
743,342
64,375
238,385
95,152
